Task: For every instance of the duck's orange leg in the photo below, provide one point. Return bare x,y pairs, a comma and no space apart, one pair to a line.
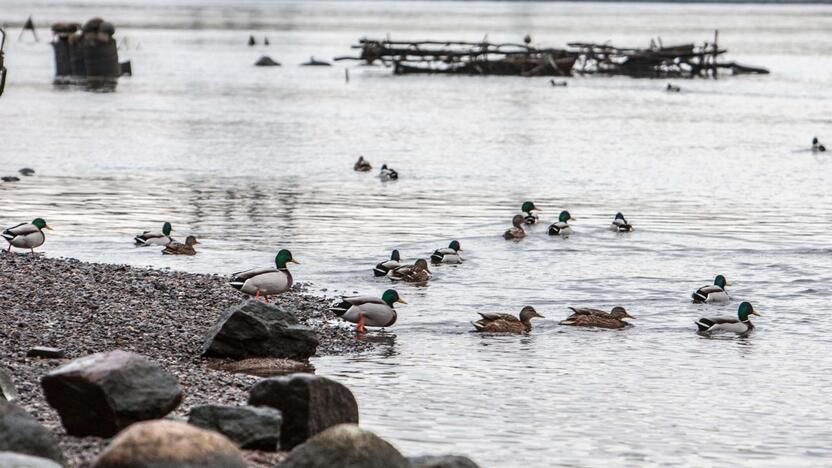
360,327
257,294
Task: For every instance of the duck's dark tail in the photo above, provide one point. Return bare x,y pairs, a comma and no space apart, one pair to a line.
436,257
380,270
236,283
698,297
554,230
704,324
340,308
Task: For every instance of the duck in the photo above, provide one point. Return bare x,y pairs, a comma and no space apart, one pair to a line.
362,165
266,281
449,254
384,267
561,227
368,311
506,323
26,235
529,215
516,232
598,318
416,273
251,41
558,83
712,292
619,224
388,174
178,248
740,325
155,237
673,88
817,146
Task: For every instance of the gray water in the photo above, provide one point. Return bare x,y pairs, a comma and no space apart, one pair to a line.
716,179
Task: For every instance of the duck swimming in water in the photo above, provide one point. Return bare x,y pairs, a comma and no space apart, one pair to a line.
598,318
506,323
416,273
362,165
740,325
178,248
383,268
26,235
816,146
449,254
368,311
388,174
619,224
148,238
673,88
529,215
561,226
266,281
712,292
517,231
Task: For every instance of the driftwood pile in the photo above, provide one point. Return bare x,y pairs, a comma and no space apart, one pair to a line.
486,58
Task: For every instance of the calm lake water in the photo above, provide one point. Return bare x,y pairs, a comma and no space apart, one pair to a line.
716,179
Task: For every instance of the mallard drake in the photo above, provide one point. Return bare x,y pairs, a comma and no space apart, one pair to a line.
619,224
178,248
506,323
26,235
529,215
368,310
561,227
598,318
740,325
155,237
362,165
712,292
388,174
816,146
266,281
517,231
384,267
449,254
416,273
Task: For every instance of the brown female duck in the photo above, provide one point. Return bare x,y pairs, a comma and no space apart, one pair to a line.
598,318
516,232
506,323
178,248
416,273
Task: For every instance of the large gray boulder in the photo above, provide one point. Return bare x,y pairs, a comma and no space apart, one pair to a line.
345,446
255,329
169,444
22,433
442,461
7,390
18,460
250,427
309,404
101,394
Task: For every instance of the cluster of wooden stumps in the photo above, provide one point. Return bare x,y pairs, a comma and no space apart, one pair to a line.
87,55
486,58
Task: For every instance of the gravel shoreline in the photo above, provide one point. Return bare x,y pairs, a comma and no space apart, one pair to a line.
86,308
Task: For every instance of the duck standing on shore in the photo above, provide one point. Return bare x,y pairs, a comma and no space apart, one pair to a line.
368,311
266,281
817,146
26,235
712,292
155,237
383,268
619,224
598,318
178,248
506,323
528,209
449,254
388,174
516,232
362,165
740,325
561,226
416,273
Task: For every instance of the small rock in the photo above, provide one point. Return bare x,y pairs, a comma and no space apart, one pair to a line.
27,171
250,427
7,390
45,352
442,461
266,61
18,460
255,329
264,367
22,433
309,404
345,446
102,393
158,444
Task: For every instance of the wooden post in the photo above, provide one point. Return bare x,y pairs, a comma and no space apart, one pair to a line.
715,51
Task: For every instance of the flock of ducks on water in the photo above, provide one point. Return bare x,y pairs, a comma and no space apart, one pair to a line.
370,311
